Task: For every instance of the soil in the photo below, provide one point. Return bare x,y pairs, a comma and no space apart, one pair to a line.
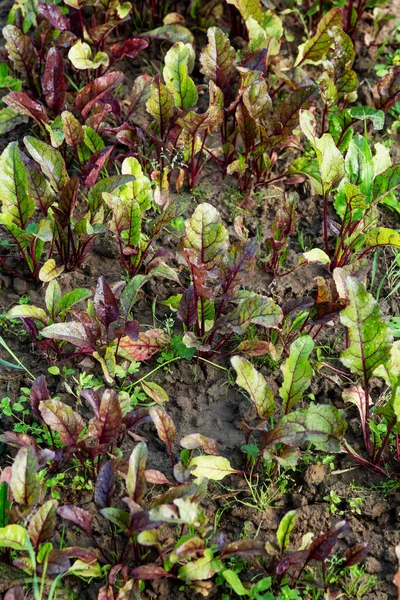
202,400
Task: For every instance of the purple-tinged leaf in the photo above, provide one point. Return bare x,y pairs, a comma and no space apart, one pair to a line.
218,60
238,265
130,48
18,440
15,593
295,560
20,50
243,548
132,329
135,479
105,593
254,309
156,477
165,426
88,555
286,116
106,426
186,490
73,130
387,91
187,307
77,515
95,90
57,562
136,417
256,60
150,571
39,393
24,483
104,486
197,440
61,418
99,33
54,87
147,344
24,105
324,544
73,332
42,523
54,15
92,398
356,554
105,303
92,169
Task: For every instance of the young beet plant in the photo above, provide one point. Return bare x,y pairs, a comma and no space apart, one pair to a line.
140,550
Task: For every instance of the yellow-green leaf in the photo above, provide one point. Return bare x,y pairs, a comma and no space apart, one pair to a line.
211,467
255,385
50,270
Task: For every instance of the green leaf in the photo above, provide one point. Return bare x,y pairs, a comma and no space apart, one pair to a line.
81,57
321,425
119,517
140,189
359,165
310,168
248,8
50,161
255,309
203,568
176,76
211,467
135,479
84,569
24,482
232,578
205,235
9,119
71,298
364,113
13,536
174,32
330,159
297,372
390,370
370,339
284,530
386,182
14,187
108,185
255,385
316,48
4,503
27,311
